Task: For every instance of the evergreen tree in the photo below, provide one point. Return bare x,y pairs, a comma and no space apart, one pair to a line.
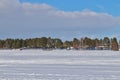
67,44
115,46
43,42
76,43
58,43
1,43
17,43
106,42
8,43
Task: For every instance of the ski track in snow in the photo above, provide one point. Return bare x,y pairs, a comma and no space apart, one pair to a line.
59,65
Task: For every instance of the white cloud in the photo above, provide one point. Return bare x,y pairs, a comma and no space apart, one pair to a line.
32,18
9,5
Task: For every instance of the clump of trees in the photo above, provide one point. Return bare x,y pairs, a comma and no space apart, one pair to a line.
56,43
42,42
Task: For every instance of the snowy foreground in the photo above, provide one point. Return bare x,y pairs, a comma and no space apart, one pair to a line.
59,65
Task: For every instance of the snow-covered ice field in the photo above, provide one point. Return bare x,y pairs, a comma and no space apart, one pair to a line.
59,65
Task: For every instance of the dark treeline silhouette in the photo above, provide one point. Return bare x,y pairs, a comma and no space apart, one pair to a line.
56,43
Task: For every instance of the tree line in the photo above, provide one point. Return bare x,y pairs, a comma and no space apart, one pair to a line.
56,43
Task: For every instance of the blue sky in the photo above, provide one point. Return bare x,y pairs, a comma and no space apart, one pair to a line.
108,6
64,19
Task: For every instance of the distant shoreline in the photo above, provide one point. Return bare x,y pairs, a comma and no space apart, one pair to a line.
54,50
55,43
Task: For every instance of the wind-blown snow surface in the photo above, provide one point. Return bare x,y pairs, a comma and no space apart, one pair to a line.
59,65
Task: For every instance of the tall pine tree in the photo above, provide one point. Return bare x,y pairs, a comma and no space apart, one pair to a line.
115,46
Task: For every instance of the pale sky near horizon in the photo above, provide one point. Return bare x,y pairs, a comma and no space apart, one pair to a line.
63,19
